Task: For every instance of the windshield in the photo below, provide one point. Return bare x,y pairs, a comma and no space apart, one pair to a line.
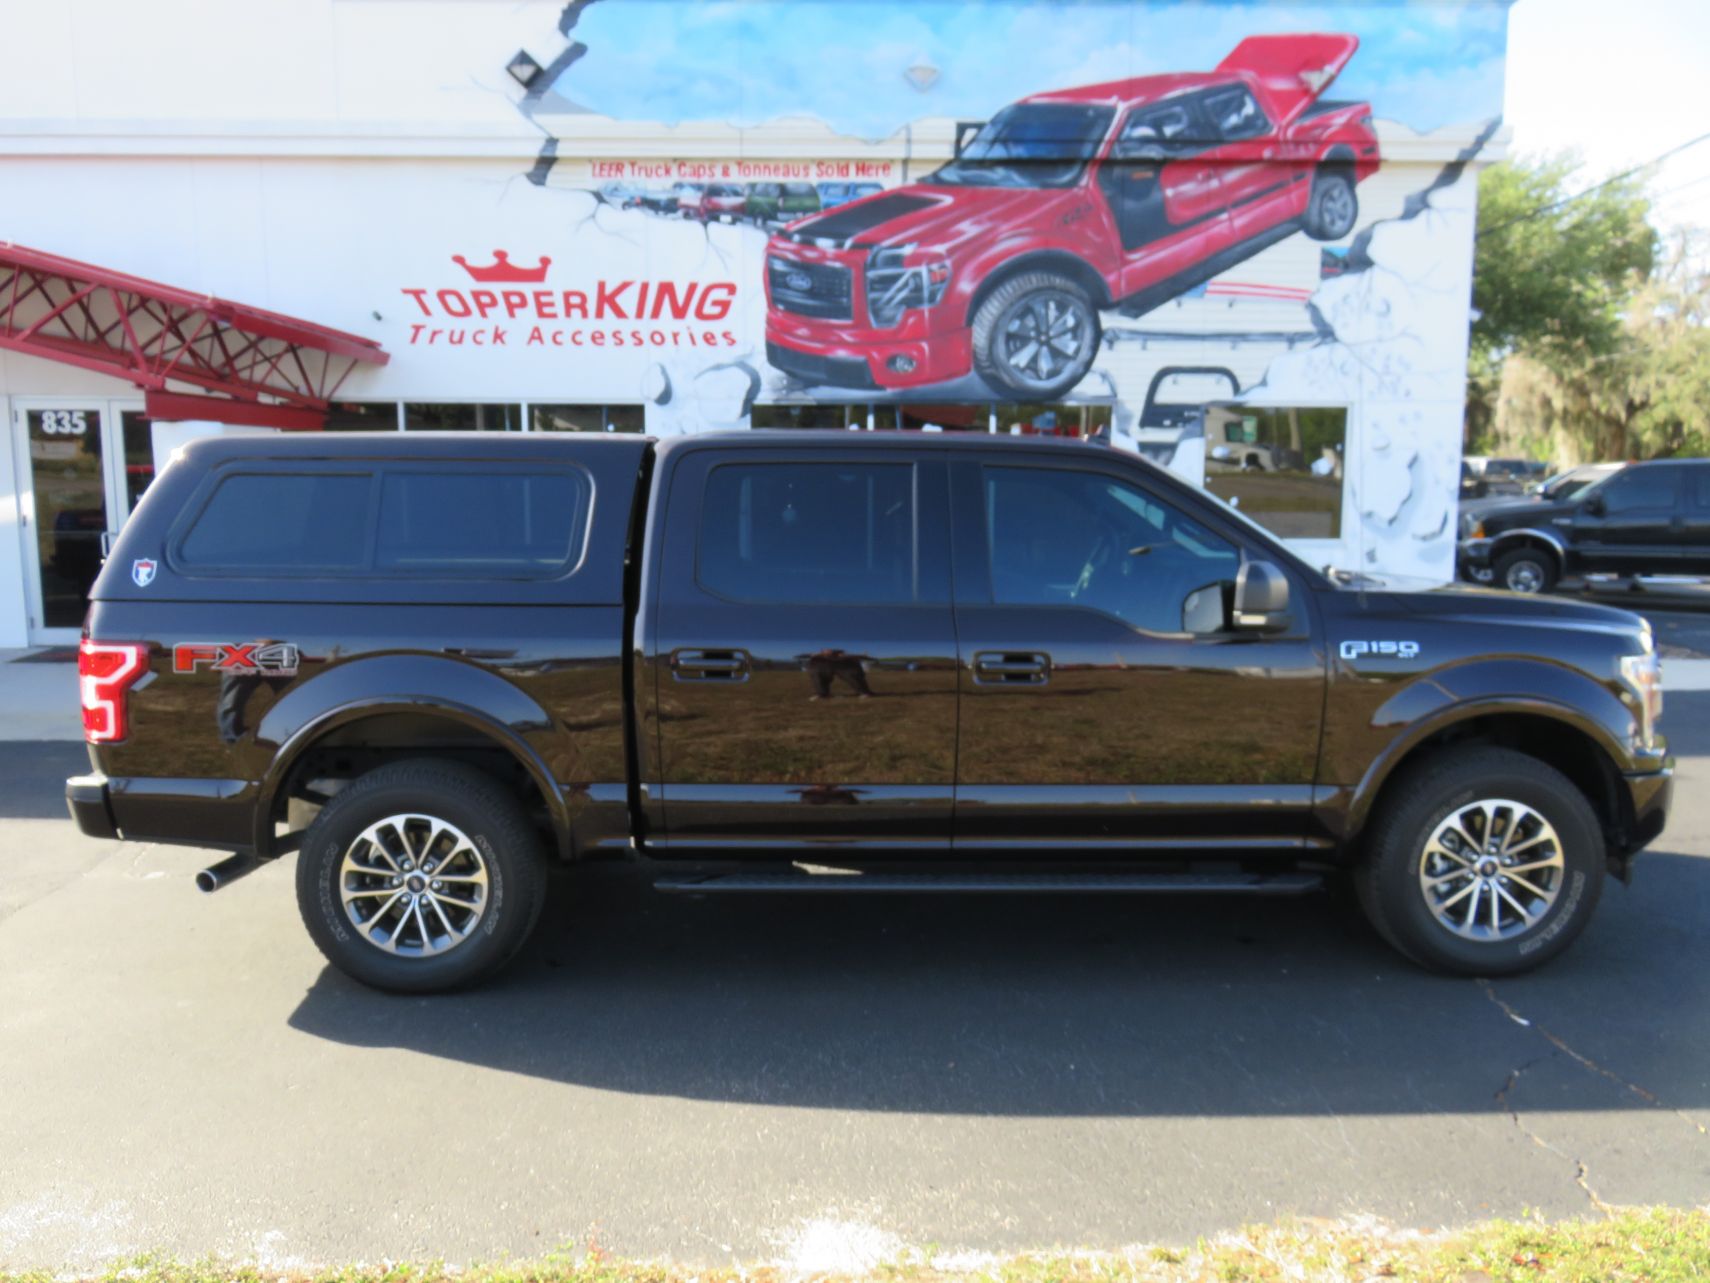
1565,485
1030,145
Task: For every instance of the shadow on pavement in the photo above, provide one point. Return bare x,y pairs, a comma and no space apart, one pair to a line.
1067,1006
32,778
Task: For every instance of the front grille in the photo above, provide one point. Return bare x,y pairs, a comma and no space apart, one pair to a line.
820,371
823,290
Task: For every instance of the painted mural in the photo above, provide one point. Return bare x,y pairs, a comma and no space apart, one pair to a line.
1149,222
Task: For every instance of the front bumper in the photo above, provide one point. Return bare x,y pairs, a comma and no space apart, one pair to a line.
1650,793
1472,560
845,356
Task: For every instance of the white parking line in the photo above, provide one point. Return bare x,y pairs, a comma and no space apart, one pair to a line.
1685,674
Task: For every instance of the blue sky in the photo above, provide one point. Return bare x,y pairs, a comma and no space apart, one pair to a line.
1426,63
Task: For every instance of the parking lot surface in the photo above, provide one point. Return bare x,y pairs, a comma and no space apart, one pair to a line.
749,1079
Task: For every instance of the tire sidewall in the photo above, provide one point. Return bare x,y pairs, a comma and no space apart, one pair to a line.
504,920
1546,571
1420,934
989,326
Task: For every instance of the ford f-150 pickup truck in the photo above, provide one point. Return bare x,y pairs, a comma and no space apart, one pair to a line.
1122,194
834,662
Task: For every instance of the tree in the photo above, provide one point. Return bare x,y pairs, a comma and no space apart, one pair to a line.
1647,395
1553,271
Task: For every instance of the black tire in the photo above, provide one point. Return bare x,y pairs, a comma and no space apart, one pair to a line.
1333,208
496,826
1525,570
1000,332
1388,878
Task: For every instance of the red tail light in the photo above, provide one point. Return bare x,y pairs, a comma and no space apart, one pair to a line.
105,671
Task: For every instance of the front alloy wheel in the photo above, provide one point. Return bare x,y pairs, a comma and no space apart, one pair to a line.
1035,336
1491,869
1481,861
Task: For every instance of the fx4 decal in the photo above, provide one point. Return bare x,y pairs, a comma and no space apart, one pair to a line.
250,659
1395,649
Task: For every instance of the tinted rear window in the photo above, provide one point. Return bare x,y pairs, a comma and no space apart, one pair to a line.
471,523
809,533
282,521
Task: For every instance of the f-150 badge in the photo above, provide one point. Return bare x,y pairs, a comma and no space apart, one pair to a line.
1383,649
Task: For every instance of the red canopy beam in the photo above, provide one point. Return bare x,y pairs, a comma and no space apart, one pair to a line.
261,367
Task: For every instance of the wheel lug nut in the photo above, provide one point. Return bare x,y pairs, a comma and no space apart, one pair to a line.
397,882
438,885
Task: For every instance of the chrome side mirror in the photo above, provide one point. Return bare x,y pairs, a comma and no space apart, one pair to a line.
1261,598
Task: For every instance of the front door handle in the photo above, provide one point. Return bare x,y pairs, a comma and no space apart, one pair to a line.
709,665
1011,668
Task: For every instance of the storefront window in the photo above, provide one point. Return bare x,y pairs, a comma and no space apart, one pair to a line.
799,415
1283,467
139,455
587,418
1040,419
362,416
947,417
462,418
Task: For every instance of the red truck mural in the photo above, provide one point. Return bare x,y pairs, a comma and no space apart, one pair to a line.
1117,195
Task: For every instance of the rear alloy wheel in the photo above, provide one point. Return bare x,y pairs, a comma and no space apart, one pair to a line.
1483,861
1035,336
1333,208
1525,570
420,876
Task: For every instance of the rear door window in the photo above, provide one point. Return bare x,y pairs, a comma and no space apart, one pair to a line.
809,533
1235,113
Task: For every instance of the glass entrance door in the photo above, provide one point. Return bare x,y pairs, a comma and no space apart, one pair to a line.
74,482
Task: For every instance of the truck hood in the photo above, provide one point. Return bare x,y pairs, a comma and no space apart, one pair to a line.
925,212
1519,512
1489,607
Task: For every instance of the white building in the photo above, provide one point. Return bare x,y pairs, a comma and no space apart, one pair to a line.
454,213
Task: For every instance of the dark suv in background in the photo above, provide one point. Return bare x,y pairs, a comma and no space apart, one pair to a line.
1643,521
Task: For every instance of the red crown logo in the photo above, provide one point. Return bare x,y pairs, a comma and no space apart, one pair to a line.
502,270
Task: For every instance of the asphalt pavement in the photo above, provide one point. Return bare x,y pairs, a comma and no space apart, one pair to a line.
819,1081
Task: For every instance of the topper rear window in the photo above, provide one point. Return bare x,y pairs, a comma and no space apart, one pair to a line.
477,522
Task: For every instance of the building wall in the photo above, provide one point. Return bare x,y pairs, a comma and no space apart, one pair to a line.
359,163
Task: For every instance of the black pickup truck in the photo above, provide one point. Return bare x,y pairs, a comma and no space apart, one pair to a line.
830,662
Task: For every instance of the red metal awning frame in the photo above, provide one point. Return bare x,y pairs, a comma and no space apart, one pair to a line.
261,367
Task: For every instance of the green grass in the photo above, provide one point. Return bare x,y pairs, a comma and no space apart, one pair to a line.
1654,1245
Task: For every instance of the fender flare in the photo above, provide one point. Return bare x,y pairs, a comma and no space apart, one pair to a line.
1044,258
1549,538
310,711
1384,766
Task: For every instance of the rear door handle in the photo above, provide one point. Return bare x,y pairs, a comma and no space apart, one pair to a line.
1011,668
709,665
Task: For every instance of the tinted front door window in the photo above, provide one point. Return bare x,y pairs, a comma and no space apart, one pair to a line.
1634,525
1082,539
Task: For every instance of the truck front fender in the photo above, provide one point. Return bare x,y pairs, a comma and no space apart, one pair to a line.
443,687
1441,700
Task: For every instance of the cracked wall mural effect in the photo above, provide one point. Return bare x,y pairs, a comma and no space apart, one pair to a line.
1111,213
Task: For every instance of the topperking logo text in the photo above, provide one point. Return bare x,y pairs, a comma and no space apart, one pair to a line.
510,305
